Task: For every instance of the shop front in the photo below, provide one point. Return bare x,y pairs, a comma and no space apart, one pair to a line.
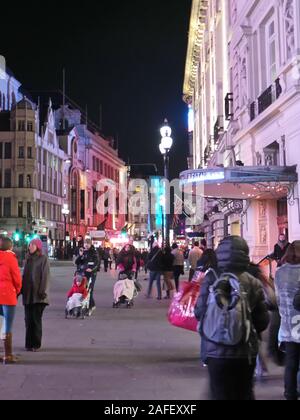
252,202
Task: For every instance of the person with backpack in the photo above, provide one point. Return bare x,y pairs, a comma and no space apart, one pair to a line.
232,313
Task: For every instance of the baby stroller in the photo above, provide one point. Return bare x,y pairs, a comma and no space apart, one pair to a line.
125,290
78,298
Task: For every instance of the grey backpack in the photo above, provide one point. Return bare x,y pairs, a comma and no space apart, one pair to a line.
227,320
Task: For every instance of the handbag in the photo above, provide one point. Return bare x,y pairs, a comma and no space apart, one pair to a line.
181,311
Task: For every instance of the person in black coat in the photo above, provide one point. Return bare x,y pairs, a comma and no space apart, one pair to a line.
155,268
88,261
231,368
167,268
280,249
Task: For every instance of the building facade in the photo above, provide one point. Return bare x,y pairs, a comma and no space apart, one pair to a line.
91,158
50,160
242,83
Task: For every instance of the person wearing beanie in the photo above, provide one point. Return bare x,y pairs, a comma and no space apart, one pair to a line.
36,279
231,368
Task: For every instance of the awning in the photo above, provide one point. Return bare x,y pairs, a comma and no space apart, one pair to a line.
243,183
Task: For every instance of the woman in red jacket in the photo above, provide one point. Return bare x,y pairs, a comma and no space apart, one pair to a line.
10,288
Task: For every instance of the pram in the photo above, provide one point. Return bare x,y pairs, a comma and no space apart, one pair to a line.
125,290
78,304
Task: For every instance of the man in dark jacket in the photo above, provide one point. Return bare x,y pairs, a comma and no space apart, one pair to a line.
155,268
280,249
231,368
90,261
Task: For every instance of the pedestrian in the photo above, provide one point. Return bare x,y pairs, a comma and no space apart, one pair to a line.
178,264
231,368
167,268
194,256
208,270
126,262
106,257
155,268
145,256
280,249
287,284
88,260
203,244
35,291
10,287
138,257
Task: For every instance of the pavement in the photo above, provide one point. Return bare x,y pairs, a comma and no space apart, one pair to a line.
117,354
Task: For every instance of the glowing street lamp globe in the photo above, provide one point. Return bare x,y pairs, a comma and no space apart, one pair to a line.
165,145
166,130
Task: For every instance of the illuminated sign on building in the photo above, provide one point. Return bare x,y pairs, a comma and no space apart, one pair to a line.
203,176
191,119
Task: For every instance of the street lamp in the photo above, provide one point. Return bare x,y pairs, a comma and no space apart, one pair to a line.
65,211
165,147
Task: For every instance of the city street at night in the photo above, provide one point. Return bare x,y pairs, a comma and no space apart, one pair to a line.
117,354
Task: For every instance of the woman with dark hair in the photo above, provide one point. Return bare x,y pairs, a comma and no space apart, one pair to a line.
287,284
10,287
35,290
126,262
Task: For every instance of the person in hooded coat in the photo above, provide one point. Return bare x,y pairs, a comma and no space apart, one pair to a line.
231,368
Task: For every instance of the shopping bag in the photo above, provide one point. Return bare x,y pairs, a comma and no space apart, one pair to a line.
181,311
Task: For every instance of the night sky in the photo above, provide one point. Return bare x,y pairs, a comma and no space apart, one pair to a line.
127,55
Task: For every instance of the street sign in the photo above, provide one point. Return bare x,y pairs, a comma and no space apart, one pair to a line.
97,234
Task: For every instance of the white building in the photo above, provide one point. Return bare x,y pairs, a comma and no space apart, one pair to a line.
242,81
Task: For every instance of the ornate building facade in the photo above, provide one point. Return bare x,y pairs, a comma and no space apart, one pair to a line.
242,81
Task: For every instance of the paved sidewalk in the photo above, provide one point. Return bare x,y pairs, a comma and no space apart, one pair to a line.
117,354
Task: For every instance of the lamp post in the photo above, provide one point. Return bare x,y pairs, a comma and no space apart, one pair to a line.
165,147
65,211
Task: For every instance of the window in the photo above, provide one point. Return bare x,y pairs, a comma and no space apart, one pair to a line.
105,169
7,207
101,167
20,209
7,151
29,152
21,181
21,125
7,178
29,213
43,209
271,51
21,152
29,126
28,182
1,150
94,163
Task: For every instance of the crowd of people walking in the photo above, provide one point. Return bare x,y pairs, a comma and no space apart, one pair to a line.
231,287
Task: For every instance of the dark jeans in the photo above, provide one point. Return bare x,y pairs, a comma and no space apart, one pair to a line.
273,345
155,276
292,360
177,273
231,379
191,274
92,286
106,263
33,324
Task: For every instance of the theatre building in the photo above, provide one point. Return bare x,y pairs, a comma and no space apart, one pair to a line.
242,85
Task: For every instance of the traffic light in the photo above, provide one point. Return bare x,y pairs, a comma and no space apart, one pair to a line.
17,236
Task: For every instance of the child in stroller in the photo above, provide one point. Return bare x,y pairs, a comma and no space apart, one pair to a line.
78,297
125,290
